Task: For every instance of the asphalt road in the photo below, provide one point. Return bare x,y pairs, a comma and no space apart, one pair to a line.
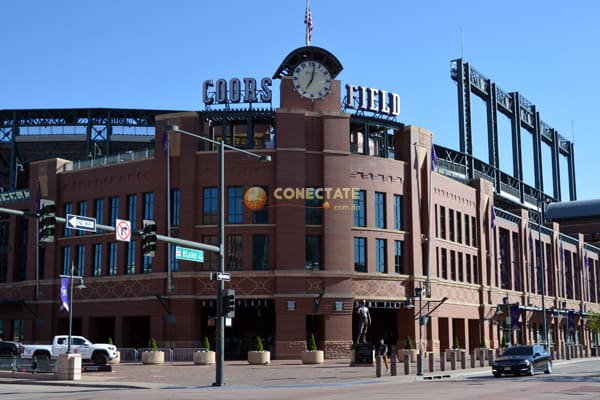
331,381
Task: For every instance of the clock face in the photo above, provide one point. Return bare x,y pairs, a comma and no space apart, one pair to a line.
311,80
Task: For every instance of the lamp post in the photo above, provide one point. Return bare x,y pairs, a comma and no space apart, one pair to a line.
80,286
543,274
220,319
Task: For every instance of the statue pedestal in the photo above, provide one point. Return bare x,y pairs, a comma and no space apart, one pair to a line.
362,355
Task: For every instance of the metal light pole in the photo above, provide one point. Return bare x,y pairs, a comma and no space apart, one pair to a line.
543,274
80,286
419,294
220,319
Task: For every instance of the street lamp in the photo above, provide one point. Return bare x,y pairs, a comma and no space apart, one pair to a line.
220,336
80,286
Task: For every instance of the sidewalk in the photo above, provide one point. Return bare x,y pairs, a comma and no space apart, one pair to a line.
279,373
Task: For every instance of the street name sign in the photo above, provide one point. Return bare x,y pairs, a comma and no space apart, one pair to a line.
183,253
81,223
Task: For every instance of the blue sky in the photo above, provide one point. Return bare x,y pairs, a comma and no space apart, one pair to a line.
156,54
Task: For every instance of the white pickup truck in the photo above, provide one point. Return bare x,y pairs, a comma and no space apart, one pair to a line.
98,353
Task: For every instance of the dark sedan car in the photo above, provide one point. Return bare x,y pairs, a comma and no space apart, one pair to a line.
517,360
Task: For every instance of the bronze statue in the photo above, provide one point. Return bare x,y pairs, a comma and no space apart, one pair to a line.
364,322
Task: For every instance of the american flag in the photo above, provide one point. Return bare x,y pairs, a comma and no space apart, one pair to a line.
308,22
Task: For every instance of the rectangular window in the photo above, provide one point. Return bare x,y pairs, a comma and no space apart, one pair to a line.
261,216
67,260
131,209
313,252
475,270
444,263
146,264
313,211
451,225
381,255
468,266
398,259
473,232
82,211
130,258
148,205
380,210
175,207
113,251
234,252
467,234
175,261
234,204
458,227
210,258
114,210
260,252
360,254
461,276
442,222
97,259
516,262
68,210
452,265
209,205
80,260
397,212
99,204
360,207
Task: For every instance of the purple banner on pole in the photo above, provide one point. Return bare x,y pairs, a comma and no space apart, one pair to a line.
64,296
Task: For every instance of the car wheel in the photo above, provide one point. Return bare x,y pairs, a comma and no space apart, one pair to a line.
531,369
548,369
100,359
497,374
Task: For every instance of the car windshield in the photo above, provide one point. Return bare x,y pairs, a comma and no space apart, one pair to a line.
519,351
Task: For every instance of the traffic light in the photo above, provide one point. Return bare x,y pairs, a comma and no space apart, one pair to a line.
47,221
149,238
228,303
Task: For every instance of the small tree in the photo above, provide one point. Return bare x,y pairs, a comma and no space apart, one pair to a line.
409,344
456,343
206,343
110,341
258,346
312,345
483,343
153,345
503,343
593,323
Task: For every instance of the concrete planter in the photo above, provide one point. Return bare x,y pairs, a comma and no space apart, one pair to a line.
204,357
153,357
312,357
479,351
450,351
259,357
412,354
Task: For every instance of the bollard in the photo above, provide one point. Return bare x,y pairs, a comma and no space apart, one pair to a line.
406,364
431,361
442,362
463,359
473,357
393,370
453,360
378,363
482,357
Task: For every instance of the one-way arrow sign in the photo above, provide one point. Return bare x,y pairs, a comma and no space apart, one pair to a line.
80,222
220,276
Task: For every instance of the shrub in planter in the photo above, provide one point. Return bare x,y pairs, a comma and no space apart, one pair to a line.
409,349
154,356
204,356
312,355
259,356
117,359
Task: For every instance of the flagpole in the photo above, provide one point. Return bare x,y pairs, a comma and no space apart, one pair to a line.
308,22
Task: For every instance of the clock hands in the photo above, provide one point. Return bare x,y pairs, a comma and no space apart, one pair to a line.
312,76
